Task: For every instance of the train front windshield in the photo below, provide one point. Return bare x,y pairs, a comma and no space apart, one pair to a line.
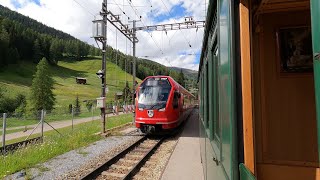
154,93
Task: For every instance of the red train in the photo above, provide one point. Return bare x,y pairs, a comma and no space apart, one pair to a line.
161,104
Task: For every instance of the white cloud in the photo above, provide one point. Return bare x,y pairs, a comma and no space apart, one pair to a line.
75,19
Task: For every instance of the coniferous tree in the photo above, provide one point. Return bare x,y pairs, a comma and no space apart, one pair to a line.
13,56
97,52
42,96
92,51
174,75
181,78
37,54
4,45
55,52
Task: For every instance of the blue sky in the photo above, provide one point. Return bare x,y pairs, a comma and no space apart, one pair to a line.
176,12
17,4
197,61
196,54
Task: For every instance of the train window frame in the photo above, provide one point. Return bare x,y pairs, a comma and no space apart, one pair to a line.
202,96
217,125
206,95
216,141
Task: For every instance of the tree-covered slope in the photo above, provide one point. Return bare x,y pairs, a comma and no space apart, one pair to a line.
25,39
33,24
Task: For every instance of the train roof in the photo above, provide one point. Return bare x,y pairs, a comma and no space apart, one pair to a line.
209,20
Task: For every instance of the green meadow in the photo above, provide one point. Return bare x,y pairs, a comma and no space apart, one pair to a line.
18,79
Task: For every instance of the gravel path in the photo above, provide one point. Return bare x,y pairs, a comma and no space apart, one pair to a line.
76,161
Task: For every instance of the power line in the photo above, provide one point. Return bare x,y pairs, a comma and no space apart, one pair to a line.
85,5
176,22
140,17
121,9
84,8
139,6
150,4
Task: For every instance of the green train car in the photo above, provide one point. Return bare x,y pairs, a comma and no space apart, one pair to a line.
259,90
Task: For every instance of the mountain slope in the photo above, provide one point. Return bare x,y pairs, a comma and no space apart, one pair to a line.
23,40
18,79
190,74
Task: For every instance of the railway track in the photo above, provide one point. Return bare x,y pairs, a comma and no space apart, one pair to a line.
128,162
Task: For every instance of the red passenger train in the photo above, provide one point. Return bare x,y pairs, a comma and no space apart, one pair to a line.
161,104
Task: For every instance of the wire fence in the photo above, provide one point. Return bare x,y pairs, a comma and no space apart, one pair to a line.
32,125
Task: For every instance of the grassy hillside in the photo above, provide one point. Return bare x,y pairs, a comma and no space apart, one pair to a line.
18,79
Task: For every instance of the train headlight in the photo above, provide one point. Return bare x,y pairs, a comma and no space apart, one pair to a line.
163,109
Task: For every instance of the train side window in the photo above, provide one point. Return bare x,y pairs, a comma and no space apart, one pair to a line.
176,96
201,98
206,77
216,125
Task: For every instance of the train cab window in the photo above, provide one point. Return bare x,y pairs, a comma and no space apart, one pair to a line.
154,93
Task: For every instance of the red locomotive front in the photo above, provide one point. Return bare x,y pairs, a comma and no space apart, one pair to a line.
159,104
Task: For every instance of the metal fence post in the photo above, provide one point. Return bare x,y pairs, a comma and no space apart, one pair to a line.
4,132
72,118
42,124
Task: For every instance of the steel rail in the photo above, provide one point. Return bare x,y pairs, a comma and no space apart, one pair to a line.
13,147
136,168
95,173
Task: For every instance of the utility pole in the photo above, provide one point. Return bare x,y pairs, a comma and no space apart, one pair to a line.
134,38
103,67
134,68
104,64
100,34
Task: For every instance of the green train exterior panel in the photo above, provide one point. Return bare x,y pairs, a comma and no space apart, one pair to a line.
315,17
245,173
226,89
217,109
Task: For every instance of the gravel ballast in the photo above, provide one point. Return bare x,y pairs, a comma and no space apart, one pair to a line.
153,168
77,161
